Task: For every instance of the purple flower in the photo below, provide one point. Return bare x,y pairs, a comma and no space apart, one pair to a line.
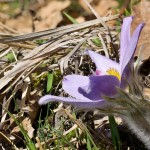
87,91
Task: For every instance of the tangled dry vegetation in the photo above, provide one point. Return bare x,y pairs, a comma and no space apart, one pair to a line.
23,78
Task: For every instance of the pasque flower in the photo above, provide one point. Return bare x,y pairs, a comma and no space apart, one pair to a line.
86,91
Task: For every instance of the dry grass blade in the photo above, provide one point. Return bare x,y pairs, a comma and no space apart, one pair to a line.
58,31
91,8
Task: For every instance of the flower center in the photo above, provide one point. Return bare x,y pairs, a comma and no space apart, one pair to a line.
113,72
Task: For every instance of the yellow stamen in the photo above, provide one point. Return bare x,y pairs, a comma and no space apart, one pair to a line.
113,72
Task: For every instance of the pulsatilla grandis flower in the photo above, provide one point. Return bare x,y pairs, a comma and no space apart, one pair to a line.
86,91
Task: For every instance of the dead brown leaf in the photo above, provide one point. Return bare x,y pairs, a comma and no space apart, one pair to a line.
102,7
141,12
22,23
50,15
32,107
27,126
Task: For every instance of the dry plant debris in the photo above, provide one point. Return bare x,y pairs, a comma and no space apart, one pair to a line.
39,16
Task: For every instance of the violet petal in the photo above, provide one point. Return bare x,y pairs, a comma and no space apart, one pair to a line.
131,47
102,63
86,104
71,83
125,36
125,78
100,85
